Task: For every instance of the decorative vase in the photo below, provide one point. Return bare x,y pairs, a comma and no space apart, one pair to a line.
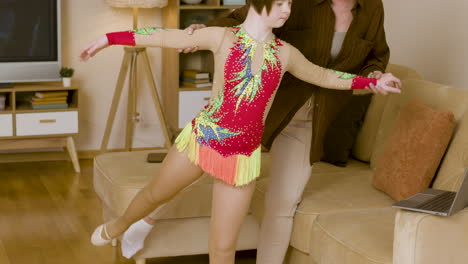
66,81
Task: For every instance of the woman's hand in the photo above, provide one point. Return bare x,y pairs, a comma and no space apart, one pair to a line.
386,83
94,47
190,31
375,74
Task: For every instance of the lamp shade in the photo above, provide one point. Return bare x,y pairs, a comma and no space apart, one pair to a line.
137,3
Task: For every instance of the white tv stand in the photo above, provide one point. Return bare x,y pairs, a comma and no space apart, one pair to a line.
22,127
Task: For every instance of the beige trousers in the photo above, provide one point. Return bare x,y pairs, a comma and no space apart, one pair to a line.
289,173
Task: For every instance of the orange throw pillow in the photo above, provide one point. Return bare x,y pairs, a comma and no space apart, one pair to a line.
413,151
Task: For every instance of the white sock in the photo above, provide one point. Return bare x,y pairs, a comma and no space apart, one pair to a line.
133,239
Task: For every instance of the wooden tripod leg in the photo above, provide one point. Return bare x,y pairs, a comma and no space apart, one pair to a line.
115,100
131,106
156,101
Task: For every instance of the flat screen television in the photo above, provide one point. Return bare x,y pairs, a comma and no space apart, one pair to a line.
30,41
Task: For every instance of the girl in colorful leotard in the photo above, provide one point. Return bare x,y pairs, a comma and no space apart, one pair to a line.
224,138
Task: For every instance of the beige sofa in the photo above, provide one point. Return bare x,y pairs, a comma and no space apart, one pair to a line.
342,218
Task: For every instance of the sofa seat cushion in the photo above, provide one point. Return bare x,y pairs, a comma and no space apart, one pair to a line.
189,236
119,176
352,237
330,189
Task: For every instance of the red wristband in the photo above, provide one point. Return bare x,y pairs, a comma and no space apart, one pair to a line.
360,82
121,38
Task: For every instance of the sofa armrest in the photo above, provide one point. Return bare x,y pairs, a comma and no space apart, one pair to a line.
422,238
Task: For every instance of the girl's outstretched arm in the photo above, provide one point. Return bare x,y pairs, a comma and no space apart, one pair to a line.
205,39
305,70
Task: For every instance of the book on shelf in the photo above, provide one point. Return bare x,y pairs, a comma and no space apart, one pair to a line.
48,99
50,106
196,85
191,80
2,101
233,2
51,94
196,74
49,102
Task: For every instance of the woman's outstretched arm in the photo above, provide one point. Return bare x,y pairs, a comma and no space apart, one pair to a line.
305,70
204,39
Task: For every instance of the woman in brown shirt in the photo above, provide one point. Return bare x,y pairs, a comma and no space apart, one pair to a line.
346,35
300,116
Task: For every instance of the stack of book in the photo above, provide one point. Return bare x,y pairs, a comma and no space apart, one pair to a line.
196,79
233,2
2,101
49,100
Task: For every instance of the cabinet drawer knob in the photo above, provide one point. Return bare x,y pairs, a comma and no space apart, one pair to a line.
42,121
206,98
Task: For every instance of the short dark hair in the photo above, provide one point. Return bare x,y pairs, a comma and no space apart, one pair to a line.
258,5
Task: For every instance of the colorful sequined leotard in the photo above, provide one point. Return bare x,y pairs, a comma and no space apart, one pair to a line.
224,139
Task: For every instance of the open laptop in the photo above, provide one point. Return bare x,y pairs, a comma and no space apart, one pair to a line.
438,202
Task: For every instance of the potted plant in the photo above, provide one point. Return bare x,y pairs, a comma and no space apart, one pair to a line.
66,74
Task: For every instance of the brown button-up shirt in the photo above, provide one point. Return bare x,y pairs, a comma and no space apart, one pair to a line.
310,28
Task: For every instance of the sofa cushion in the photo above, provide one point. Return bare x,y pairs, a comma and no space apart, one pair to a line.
455,160
189,236
119,176
186,236
366,137
403,72
341,133
330,189
413,151
294,256
437,96
354,237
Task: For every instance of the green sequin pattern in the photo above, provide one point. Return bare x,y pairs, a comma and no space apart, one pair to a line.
344,75
207,127
148,31
250,84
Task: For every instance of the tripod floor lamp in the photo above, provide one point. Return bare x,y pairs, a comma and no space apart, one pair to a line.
129,67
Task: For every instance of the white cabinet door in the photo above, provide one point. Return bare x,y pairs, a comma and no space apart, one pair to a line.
47,123
6,125
190,103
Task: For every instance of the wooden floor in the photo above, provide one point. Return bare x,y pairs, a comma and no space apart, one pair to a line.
47,215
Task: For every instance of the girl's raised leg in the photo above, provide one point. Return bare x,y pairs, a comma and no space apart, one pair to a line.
176,172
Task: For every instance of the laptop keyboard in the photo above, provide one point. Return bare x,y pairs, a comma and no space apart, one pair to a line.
440,203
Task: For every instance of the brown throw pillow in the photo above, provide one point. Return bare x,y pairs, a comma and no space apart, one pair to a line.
413,151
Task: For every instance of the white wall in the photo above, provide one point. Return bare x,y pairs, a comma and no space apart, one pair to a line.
83,21
430,36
